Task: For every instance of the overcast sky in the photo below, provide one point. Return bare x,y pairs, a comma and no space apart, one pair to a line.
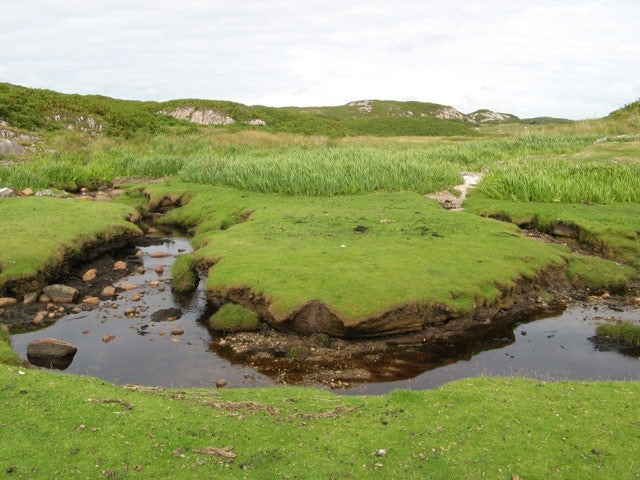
567,58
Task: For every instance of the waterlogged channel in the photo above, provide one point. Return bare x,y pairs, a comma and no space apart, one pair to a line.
164,341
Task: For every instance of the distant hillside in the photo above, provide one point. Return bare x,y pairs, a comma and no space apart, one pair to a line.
632,109
37,110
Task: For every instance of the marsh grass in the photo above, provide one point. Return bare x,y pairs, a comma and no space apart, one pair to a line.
233,318
627,332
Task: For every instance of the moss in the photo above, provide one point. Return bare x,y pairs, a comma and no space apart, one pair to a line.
234,318
626,332
185,277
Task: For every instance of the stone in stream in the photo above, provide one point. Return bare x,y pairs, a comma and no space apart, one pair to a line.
159,269
177,331
160,254
107,338
140,270
95,301
51,353
30,298
108,291
61,293
90,275
167,314
120,265
6,301
127,286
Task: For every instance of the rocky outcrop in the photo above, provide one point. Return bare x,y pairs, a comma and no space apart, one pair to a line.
449,113
257,122
486,116
203,117
9,147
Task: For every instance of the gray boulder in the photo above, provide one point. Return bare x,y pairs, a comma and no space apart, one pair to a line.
8,147
61,293
51,353
7,192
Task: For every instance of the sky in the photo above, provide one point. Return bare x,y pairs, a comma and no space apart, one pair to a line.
564,58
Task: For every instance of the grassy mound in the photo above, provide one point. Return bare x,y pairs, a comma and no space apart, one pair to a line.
627,332
359,254
233,318
184,275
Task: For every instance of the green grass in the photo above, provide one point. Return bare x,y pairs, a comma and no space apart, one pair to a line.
627,332
301,249
184,278
609,230
38,233
233,318
62,426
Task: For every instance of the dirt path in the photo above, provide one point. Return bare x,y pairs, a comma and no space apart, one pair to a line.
454,202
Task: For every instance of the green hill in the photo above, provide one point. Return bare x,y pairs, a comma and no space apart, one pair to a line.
45,110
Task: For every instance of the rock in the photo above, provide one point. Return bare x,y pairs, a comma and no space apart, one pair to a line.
138,254
606,295
107,338
61,293
135,297
152,230
120,265
28,192
50,352
160,254
44,298
90,275
154,283
84,332
166,314
7,192
159,269
76,310
140,270
177,331
175,340
95,301
257,122
30,298
636,301
5,301
221,383
127,286
45,193
39,318
8,147
108,291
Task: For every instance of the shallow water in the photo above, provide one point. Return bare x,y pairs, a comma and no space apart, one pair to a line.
146,353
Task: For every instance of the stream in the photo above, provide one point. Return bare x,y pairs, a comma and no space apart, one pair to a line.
129,347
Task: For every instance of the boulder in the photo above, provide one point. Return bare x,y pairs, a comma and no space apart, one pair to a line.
61,293
7,192
50,353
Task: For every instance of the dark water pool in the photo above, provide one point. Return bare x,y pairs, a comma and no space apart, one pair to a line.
147,353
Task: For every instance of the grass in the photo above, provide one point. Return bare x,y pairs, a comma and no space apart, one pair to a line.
184,278
608,230
627,332
412,249
59,426
40,232
233,318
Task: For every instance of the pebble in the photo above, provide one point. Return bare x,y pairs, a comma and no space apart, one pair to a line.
108,338
127,286
159,269
76,310
95,301
140,270
109,291
177,331
175,340
154,283
135,297
138,253
160,254
120,265
84,332
5,301
221,383
39,318
30,298
90,275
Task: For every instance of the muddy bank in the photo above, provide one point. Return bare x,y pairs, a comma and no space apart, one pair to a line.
431,319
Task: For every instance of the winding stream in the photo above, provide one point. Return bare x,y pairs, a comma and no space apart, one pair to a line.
180,352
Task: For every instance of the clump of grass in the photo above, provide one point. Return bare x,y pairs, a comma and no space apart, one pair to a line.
234,318
627,332
7,355
185,277
597,274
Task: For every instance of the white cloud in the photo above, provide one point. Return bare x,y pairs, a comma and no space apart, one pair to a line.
574,58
